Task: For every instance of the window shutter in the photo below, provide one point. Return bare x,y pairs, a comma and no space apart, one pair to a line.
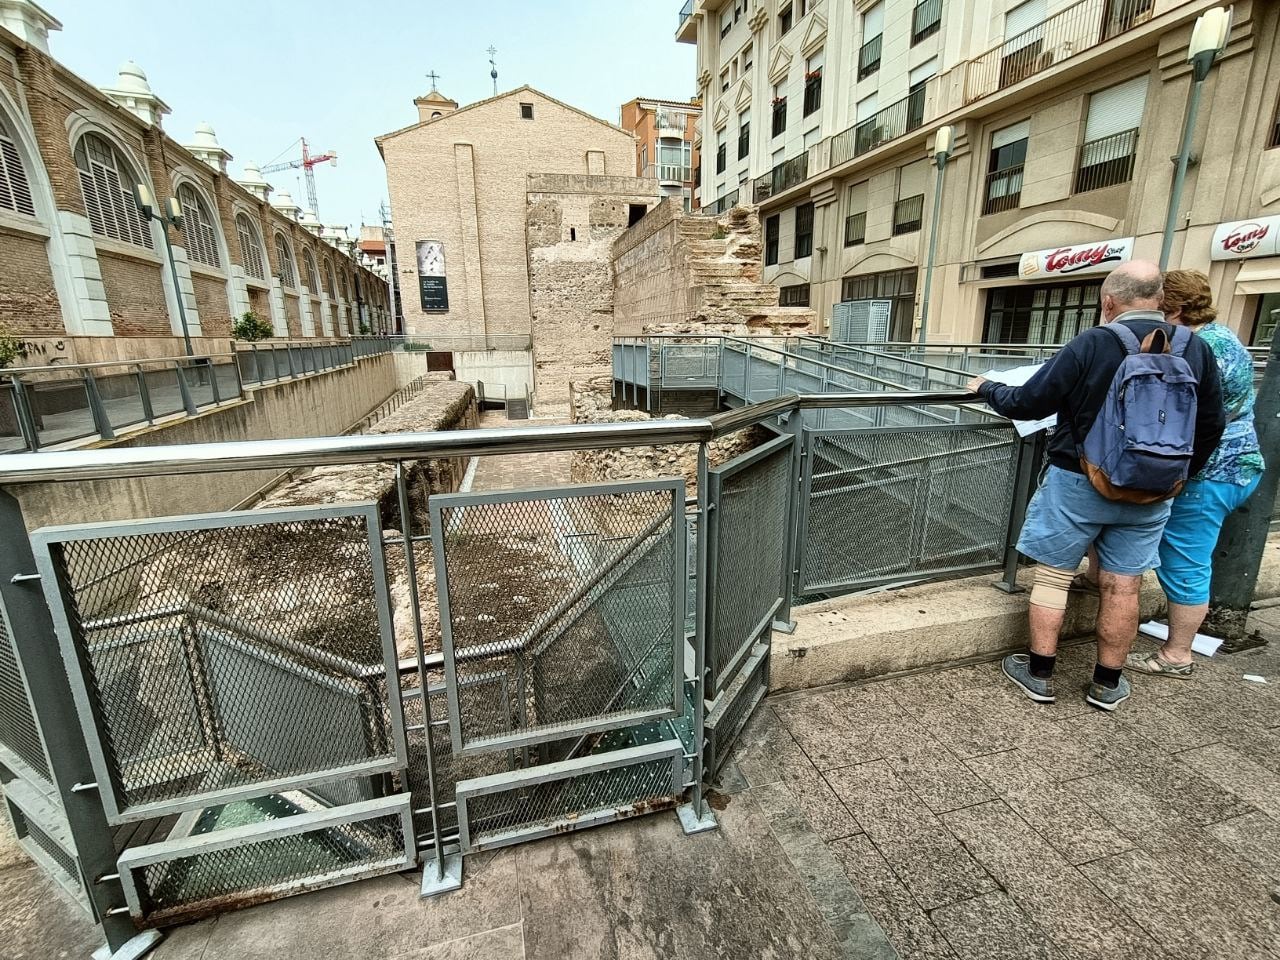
857,199
923,72
15,191
814,63
866,107
1116,109
1008,135
873,22
911,179
1022,18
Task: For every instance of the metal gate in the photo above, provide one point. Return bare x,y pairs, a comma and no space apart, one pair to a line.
563,627
882,505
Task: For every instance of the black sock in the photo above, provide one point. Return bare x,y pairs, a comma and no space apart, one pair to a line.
1042,666
1109,677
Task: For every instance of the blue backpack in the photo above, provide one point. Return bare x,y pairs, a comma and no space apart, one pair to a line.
1139,448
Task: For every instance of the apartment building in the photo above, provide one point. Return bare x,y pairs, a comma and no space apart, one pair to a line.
1065,117
665,132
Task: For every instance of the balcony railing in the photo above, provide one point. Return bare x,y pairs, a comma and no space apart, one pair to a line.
668,172
812,94
685,13
785,175
869,56
1003,190
779,119
895,120
1051,41
1106,161
855,229
725,203
926,20
672,123
907,214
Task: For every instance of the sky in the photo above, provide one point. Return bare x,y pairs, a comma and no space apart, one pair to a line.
338,72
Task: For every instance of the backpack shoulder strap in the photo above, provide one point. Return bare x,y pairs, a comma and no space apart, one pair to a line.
1126,338
1181,340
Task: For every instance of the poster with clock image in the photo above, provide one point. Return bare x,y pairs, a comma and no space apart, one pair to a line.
432,284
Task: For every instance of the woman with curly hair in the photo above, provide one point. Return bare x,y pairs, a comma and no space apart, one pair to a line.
1225,483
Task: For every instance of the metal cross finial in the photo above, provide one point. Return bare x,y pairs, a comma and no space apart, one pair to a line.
433,77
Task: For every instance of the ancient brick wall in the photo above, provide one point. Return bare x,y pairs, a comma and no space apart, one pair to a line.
293,314
211,301
28,304
136,295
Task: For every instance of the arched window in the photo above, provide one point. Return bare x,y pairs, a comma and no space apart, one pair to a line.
250,248
15,191
329,287
288,275
313,278
107,183
197,228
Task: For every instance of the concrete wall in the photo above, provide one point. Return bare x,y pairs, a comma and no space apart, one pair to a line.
323,404
512,369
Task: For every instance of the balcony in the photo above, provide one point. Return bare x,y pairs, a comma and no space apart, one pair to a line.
687,32
895,120
1003,190
926,20
672,124
907,214
869,57
668,173
782,177
1051,41
1106,161
724,204
855,229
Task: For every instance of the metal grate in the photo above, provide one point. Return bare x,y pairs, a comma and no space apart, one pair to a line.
215,657
240,866
885,505
18,730
575,596
734,707
748,553
569,795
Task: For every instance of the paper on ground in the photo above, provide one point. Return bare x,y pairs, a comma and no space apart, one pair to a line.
1016,377
1203,645
1254,678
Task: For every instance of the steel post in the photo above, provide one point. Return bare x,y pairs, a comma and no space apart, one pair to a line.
941,160
795,426
1023,486
1200,70
101,421
188,402
1238,556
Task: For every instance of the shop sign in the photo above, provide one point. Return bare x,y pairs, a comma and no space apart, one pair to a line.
1101,257
1245,239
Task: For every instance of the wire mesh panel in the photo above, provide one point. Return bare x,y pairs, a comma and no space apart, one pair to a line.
884,505
226,655
733,708
575,595
209,873
19,734
747,558
689,365
558,797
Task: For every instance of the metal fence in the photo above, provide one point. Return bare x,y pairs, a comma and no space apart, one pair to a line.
42,407
255,704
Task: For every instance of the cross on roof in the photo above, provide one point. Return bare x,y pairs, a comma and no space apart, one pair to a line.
492,51
433,77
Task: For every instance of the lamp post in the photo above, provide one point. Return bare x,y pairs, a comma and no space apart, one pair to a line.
1207,40
146,206
942,143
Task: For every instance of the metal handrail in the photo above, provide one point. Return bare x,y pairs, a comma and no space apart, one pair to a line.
173,459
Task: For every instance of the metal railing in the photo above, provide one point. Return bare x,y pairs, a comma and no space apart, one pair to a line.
926,20
668,172
1074,30
855,229
869,56
429,343
725,203
1002,190
782,177
907,214
1106,162
896,120
685,13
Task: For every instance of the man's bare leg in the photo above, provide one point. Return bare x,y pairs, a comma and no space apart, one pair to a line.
1117,625
1046,624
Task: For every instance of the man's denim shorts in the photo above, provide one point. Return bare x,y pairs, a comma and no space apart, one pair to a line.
1067,514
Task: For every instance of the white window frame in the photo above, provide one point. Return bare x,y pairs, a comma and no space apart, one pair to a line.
106,183
198,231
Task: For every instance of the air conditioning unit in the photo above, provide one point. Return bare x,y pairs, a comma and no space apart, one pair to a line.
861,321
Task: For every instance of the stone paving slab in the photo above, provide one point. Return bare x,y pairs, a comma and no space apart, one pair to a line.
931,816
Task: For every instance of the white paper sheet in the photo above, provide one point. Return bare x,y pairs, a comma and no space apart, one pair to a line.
1204,645
1016,377
1254,678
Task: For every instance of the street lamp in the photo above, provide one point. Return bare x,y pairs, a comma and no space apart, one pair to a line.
1207,40
942,143
146,203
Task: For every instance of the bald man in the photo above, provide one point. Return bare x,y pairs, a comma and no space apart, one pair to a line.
1067,514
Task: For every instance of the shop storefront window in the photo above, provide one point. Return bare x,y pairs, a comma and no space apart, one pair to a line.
1264,327
1041,314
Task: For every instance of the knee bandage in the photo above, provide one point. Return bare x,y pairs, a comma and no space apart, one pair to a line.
1051,587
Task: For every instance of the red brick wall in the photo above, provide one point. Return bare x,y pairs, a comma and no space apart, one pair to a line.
135,295
211,300
260,303
28,303
292,314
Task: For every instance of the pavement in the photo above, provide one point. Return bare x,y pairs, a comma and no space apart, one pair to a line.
935,815
520,471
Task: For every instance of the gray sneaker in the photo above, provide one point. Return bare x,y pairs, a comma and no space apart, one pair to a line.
1017,667
1108,698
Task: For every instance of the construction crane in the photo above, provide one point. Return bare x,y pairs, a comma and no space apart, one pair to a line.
308,163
